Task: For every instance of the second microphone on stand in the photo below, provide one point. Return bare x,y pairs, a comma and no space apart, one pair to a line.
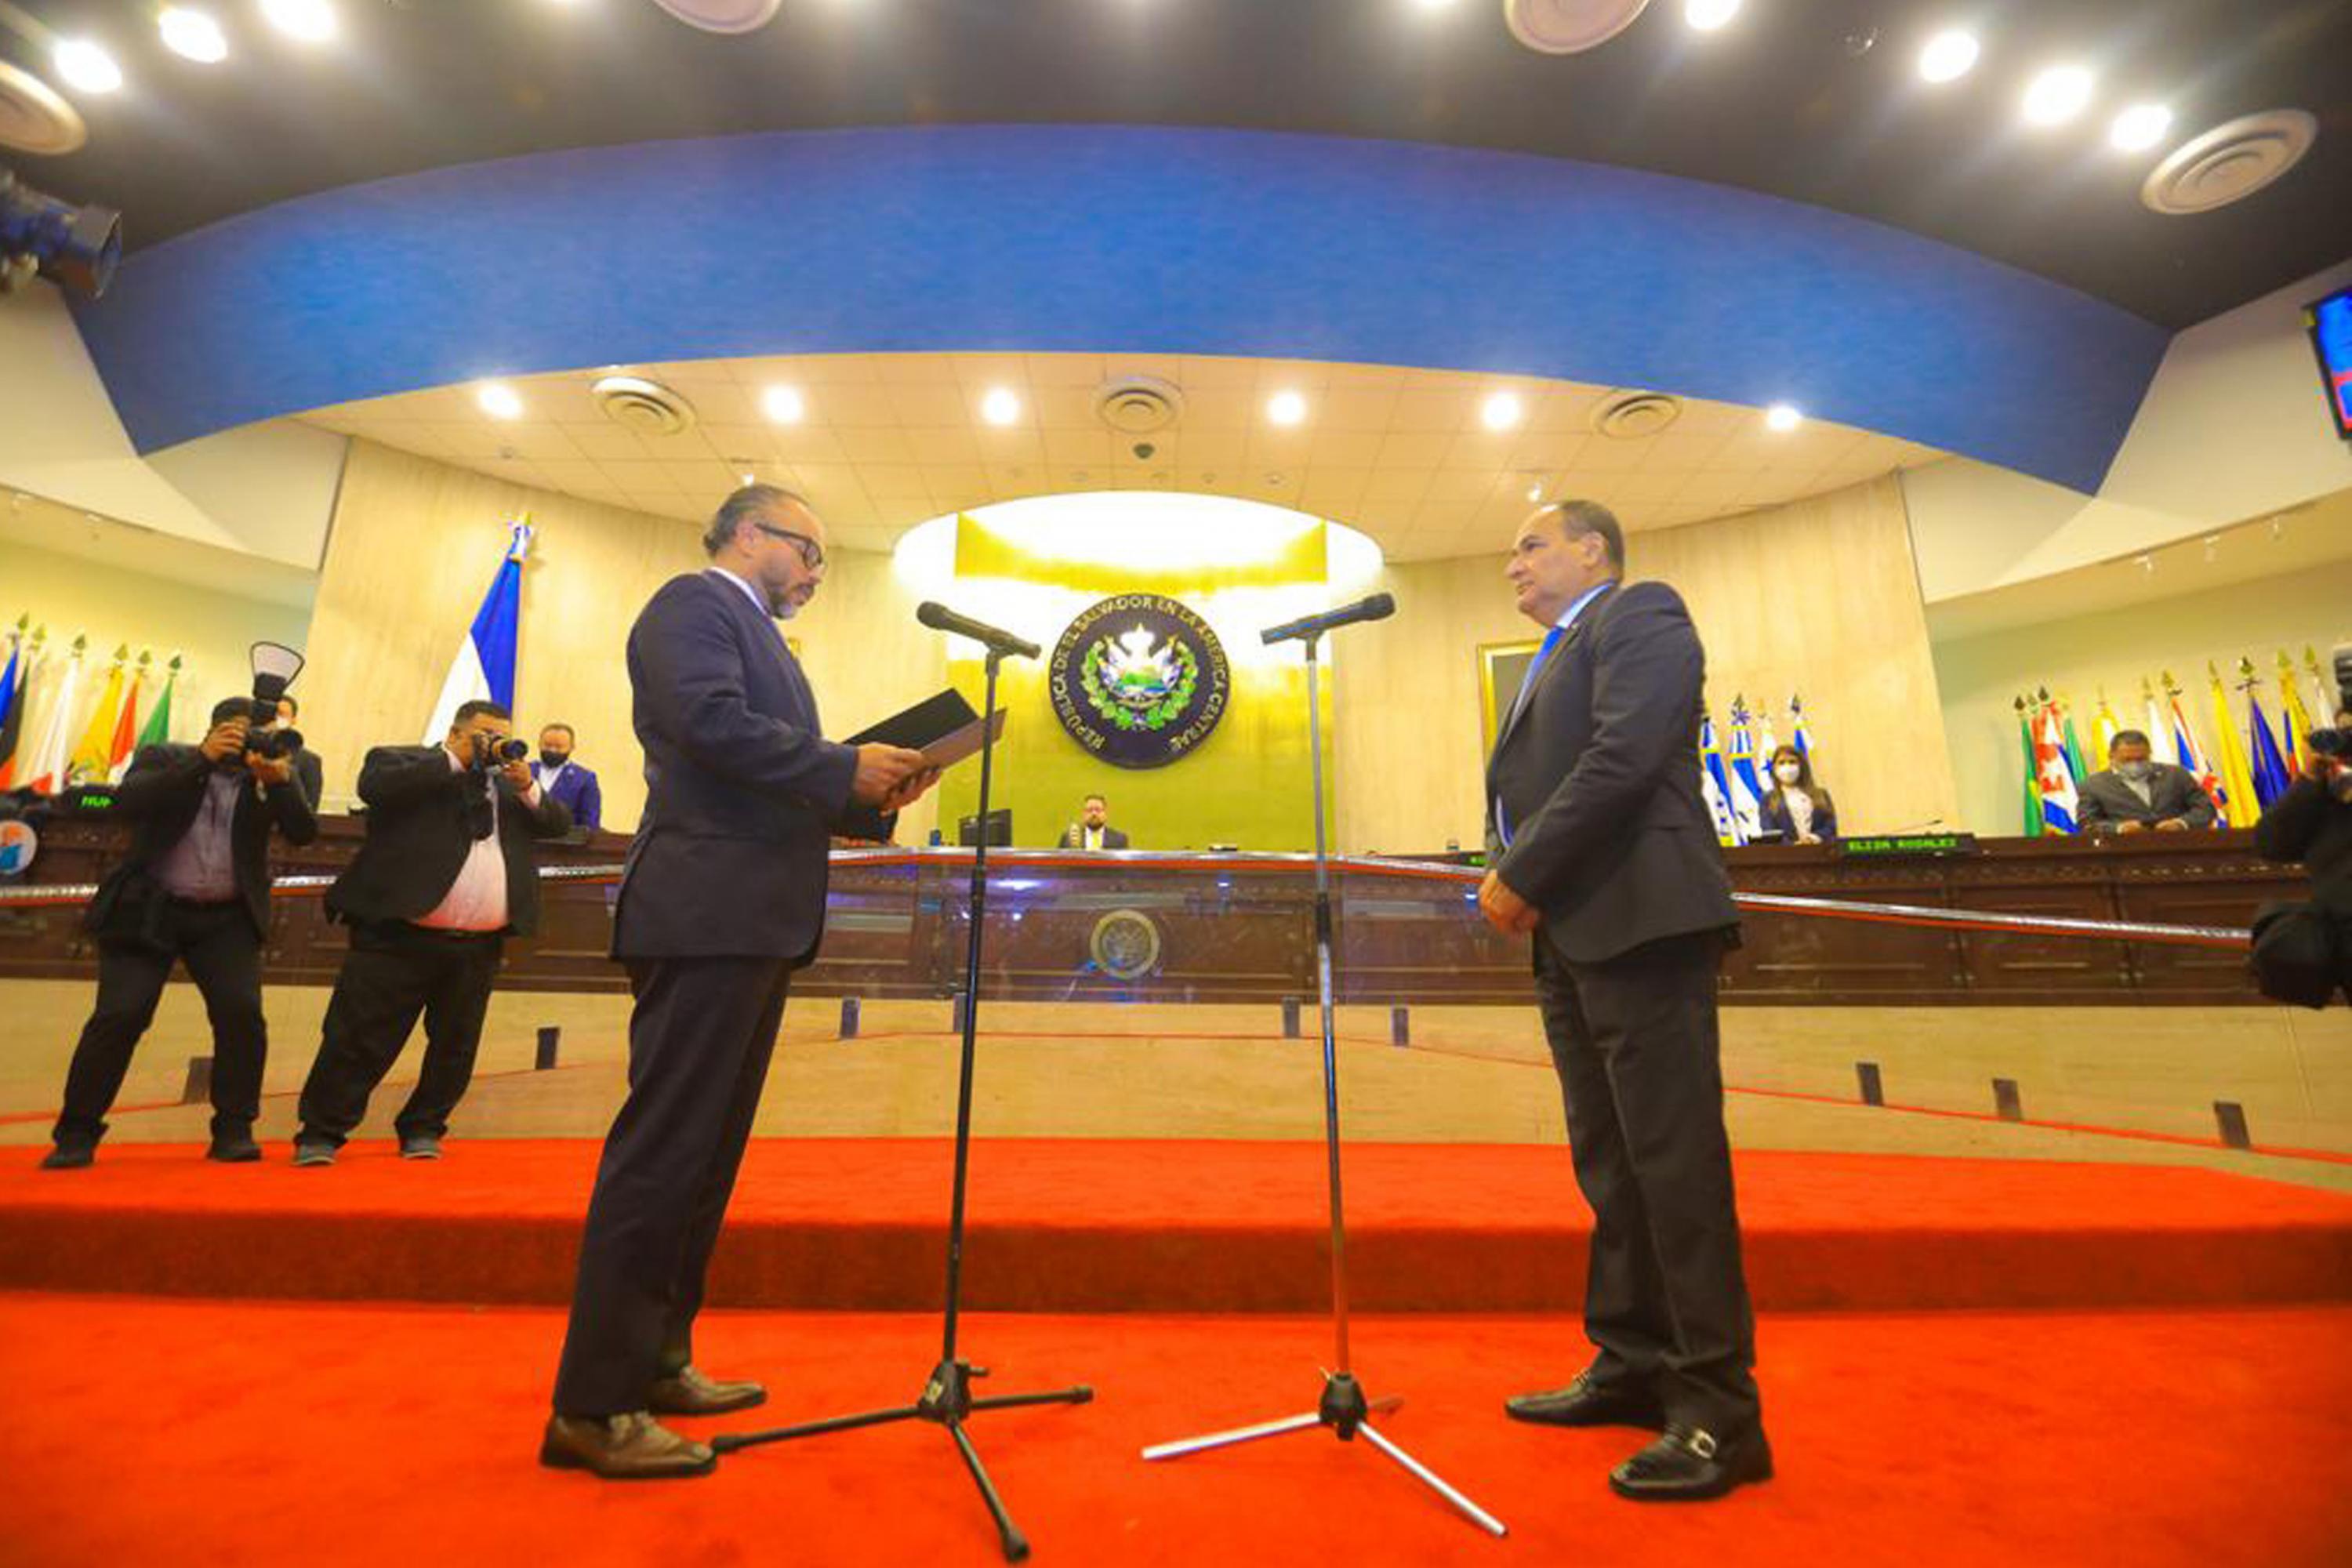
1379,606
939,617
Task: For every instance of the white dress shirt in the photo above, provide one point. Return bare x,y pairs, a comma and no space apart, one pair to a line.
476,898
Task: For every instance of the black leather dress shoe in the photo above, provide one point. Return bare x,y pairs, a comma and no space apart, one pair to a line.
69,1157
1585,1403
689,1393
234,1149
1690,1464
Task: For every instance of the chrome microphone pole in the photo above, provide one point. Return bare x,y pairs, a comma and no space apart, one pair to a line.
1344,1408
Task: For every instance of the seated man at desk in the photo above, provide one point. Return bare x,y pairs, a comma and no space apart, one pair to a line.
2134,793
1093,830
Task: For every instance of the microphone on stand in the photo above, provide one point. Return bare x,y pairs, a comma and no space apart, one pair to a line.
939,617
1380,606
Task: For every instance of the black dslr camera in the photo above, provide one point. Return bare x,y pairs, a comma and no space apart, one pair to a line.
275,667
489,752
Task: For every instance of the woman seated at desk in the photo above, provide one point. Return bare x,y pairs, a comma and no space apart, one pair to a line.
1798,809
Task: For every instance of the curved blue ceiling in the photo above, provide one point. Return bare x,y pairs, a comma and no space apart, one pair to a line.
1114,239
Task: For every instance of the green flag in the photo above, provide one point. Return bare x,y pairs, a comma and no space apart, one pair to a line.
2032,775
158,728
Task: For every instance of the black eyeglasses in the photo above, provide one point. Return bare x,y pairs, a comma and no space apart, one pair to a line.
812,553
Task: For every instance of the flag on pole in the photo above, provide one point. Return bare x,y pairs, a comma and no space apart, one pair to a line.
2104,727
2295,718
1767,744
2230,757
12,694
485,665
92,753
2054,775
2063,718
1716,784
2262,759
158,728
126,723
1797,735
2186,753
2031,816
44,770
1746,794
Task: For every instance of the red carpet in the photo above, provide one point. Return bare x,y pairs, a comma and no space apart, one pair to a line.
1067,1226
193,1433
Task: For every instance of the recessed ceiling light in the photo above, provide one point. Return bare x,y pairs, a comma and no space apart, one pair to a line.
1782,417
783,404
192,35
2057,95
1285,409
2138,127
312,21
1432,5
86,66
1001,406
1501,411
1707,16
498,400
1535,492
1949,56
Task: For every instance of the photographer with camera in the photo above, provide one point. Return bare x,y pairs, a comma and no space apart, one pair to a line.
195,890
446,872
2303,952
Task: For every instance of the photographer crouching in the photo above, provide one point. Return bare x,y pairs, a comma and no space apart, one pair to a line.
195,890
446,872
2303,952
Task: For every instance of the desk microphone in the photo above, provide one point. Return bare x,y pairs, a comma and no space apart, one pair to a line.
939,617
1377,608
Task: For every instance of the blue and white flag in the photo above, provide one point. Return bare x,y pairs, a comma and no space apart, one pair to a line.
485,665
1797,735
1717,786
1747,793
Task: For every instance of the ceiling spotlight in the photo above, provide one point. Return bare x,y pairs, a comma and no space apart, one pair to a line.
192,35
2138,127
1782,417
1285,409
2057,95
312,21
1707,16
1001,406
86,66
783,404
1535,492
1949,56
498,400
1501,411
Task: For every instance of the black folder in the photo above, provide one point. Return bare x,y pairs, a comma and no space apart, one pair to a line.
943,728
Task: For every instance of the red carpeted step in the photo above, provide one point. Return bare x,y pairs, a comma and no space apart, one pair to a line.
201,1433
1080,1226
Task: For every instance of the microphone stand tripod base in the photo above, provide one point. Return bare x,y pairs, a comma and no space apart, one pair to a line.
1345,1410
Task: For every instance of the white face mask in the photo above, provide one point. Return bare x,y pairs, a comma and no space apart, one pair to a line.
1788,773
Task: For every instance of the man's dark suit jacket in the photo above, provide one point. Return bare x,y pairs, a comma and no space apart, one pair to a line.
419,832
1599,780
1075,837
160,797
2103,800
742,792
577,788
2309,824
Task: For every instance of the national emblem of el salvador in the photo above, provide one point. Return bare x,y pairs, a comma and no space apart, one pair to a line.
1138,679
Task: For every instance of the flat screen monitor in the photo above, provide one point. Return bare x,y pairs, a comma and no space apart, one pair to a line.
2330,321
1000,829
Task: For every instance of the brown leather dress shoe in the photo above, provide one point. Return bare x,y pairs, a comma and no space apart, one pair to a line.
692,1394
630,1447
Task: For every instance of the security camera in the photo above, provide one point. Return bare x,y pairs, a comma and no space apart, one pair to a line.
1144,450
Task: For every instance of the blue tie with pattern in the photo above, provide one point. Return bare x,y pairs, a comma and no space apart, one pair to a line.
1551,640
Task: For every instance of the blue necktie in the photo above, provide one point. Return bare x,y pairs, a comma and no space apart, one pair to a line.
1551,640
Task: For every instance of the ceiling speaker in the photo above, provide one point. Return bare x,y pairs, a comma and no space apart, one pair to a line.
2229,161
1629,416
33,118
1138,404
1569,27
645,406
723,16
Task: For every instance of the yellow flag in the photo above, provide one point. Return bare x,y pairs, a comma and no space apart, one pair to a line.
2293,717
2236,777
2104,726
94,754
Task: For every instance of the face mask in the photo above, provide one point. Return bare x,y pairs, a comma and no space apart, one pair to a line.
552,761
2136,772
1788,773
